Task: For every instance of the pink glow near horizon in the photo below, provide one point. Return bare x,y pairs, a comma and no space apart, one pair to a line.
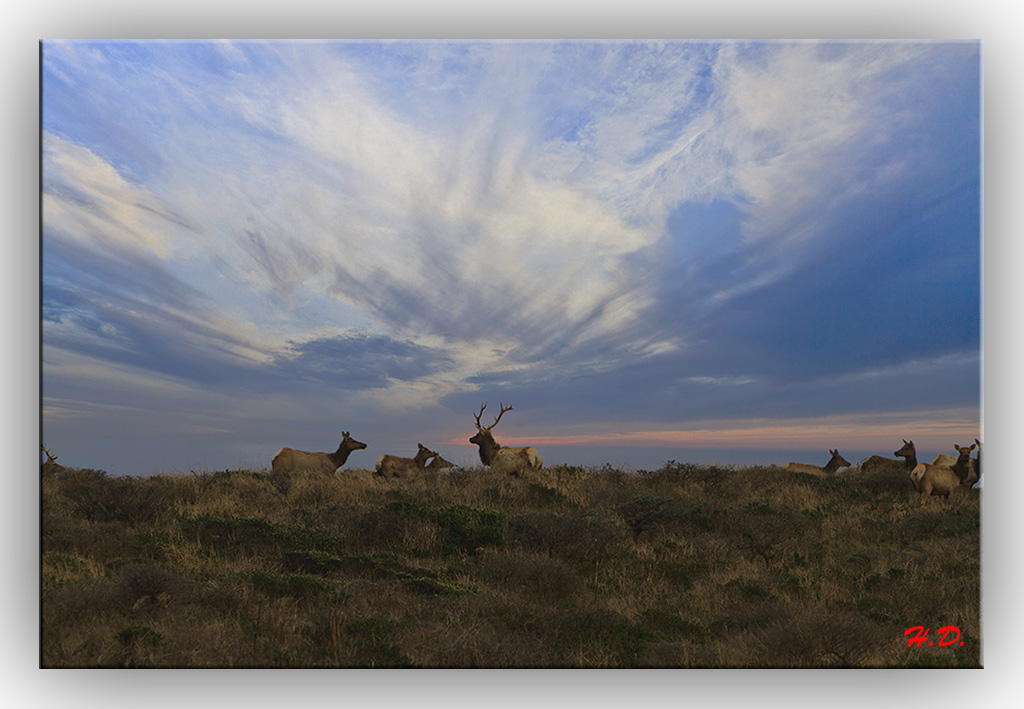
823,433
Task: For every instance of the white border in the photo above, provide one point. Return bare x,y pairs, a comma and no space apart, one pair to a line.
993,22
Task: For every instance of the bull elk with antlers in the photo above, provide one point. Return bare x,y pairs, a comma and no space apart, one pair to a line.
289,460
496,456
51,465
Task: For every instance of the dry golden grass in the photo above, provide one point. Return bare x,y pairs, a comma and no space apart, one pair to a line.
686,566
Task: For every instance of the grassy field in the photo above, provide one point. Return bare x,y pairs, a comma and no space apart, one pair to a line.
685,566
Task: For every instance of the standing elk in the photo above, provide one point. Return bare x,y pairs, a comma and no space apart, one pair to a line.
289,460
392,466
977,461
496,456
943,480
949,460
835,463
907,452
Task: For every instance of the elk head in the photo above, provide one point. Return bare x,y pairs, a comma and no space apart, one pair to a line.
907,450
51,465
350,444
962,467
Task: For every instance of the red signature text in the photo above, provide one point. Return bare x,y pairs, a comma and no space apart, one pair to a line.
919,634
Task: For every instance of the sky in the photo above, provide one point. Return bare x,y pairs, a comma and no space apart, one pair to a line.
652,250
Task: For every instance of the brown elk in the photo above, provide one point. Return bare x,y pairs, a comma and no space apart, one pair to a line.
943,480
51,465
835,463
497,456
439,463
977,461
907,452
289,460
392,466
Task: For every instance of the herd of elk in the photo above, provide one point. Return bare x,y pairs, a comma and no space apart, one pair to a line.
835,463
942,477
499,457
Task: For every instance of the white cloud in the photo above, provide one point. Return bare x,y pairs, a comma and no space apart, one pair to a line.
429,202
87,200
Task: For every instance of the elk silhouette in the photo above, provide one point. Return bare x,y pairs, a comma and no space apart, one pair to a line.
496,456
289,460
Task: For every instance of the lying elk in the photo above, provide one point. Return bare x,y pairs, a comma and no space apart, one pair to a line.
943,480
907,452
439,463
392,466
496,456
289,460
835,463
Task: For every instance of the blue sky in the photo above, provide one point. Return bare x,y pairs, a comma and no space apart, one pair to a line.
652,246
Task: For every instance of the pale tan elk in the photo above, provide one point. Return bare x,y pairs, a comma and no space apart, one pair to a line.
948,460
392,466
907,452
289,460
943,480
499,457
439,463
835,463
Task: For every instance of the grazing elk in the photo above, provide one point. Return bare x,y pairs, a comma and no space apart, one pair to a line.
496,456
289,460
392,466
943,480
835,463
907,452
439,463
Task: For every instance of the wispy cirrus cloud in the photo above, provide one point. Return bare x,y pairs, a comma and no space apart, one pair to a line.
612,224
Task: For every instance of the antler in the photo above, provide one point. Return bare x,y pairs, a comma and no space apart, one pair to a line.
477,416
51,456
496,418
503,410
